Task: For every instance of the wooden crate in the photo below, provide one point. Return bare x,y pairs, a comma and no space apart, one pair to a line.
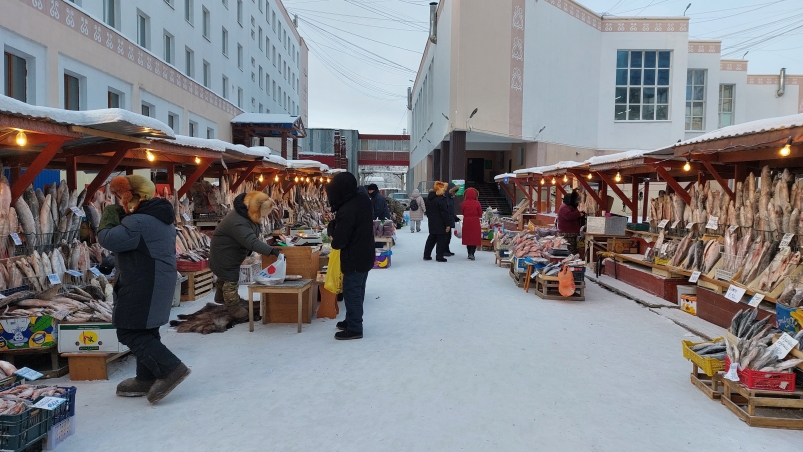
518,278
91,366
770,409
283,308
198,285
486,245
711,386
546,287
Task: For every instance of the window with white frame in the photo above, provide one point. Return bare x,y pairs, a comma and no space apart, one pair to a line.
188,11
143,30
173,122
262,5
726,93
239,56
642,85
273,20
260,39
225,42
72,92
16,77
193,128
239,97
267,47
114,98
261,108
695,99
210,133
240,12
169,48
111,13
189,62
147,109
225,87
274,90
274,55
261,80
207,22
207,74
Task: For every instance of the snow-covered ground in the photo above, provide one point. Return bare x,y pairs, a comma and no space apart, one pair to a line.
455,357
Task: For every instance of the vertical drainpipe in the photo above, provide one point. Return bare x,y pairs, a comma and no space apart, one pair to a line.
781,83
433,22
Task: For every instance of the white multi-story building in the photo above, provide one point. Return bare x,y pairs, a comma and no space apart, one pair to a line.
193,64
510,84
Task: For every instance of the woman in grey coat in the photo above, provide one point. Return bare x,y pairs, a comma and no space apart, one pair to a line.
417,215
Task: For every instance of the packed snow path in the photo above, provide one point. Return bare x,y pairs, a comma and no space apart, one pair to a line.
455,357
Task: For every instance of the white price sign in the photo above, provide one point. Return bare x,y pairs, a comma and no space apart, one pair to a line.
713,222
28,374
733,374
695,275
735,293
95,271
690,225
49,403
675,224
787,239
186,217
77,211
663,224
664,247
75,273
783,346
647,253
54,278
756,300
733,228
16,238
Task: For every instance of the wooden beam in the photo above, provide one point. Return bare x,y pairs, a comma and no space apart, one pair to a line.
560,189
284,144
540,194
675,185
199,171
72,173
618,191
645,203
113,136
14,172
104,173
689,185
39,163
722,182
248,170
504,187
634,194
171,176
591,192
523,190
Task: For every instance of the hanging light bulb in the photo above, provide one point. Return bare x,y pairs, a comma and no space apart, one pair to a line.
542,182
687,166
589,176
328,180
565,178
618,177
149,155
276,179
786,150
261,178
554,181
296,179
198,160
308,180
21,139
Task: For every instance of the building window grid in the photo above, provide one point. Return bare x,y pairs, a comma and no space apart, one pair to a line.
642,85
726,93
225,41
240,12
225,87
240,56
16,77
695,99
113,99
260,39
72,92
189,63
110,10
142,30
188,11
207,24
207,74
168,48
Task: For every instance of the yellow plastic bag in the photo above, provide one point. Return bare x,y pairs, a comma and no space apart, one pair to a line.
334,276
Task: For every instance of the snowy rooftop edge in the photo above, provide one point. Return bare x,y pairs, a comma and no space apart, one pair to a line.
761,125
502,176
617,157
264,118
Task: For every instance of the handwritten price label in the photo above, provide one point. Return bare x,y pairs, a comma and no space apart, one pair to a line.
16,238
690,226
663,224
49,403
95,271
713,222
787,239
756,300
695,275
54,278
675,224
647,253
28,374
77,211
733,228
186,217
783,346
75,273
735,293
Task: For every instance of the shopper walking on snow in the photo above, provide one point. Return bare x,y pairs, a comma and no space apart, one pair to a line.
570,220
352,232
142,237
438,220
234,239
417,210
378,202
472,212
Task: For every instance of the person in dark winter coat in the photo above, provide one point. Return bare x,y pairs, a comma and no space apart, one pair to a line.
570,220
472,230
453,219
234,239
352,232
438,219
142,236
380,204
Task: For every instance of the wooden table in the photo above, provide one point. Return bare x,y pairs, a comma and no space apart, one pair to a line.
288,287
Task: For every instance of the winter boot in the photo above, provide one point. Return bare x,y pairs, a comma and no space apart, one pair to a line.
346,335
134,388
238,313
219,295
341,325
163,386
440,259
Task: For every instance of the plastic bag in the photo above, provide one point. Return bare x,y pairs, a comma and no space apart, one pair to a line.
334,276
274,273
566,285
458,230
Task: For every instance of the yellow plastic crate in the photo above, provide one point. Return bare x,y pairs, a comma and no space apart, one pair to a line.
708,365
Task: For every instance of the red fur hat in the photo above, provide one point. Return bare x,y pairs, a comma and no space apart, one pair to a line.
132,190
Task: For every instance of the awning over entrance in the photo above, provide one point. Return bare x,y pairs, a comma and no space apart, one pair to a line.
260,125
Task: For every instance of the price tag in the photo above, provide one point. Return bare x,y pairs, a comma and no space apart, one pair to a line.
735,293
95,271
783,346
75,273
16,238
695,275
191,228
787,239
185,216
733,374
54,278
733,228
49,403
664,247
675,224
690,225
61,315
756,299
663,224
28,374
647,253
713,222
648,239
77,211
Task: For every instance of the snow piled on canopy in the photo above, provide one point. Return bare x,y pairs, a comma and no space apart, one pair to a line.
309,164
87,118
264,118
542,169
503,176
277,159
762,125
618,157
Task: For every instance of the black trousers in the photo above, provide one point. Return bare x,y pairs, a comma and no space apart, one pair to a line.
437,241
154,360
471,249
449,240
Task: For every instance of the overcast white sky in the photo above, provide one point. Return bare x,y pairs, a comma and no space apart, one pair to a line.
363,53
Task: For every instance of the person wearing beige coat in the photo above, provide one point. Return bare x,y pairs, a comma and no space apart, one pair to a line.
417,216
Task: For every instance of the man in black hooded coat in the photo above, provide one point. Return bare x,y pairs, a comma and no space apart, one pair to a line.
352,232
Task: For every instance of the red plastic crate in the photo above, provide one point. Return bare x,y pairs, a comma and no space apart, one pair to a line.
189,266
764,381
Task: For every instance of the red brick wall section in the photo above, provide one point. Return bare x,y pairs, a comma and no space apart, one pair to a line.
666,288
719,310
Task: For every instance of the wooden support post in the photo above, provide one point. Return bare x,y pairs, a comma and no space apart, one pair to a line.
530,186
540,196
171,176
106,171
645,202
634,194
72,173
603,193
295,148
523,190
248,170
515,195
199,171
701,179
284,145
722,182
740,173
674,184
36,167
618,191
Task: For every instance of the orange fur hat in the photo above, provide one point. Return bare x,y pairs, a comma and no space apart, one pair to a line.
440,188
132,190
259,205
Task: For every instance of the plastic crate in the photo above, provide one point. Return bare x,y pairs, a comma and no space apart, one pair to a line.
189,266
579,274
709,366
63,411
248,272
765,381
21,430
59,432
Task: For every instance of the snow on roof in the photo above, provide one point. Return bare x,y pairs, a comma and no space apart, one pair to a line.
111,119
762,125
264,118
503,176
542,169
618,157
200,143
277,159
313,164
260,151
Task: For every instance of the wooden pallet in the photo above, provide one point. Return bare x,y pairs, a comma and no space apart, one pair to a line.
769,409
198,285
546,287
711,386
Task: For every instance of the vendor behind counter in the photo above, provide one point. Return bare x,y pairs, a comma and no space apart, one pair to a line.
570,220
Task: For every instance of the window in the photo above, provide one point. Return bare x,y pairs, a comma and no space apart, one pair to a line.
16,77
253,102
189,62
146,109
113,99
261,108
207,25
225,42
169,42
267,83
726,105
207,74
210,133
239,56
226,3
260,39
193,128
695,99
110,12
274,90
642,85
188,14
225,87
170,2
240,12
521,155
267,47
253,22
143,27
274,55
253,62
293,52
261,5
72,93
173,122
240,97
261,79
253,77
273,20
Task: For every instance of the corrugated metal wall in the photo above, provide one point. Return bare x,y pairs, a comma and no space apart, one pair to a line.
45,178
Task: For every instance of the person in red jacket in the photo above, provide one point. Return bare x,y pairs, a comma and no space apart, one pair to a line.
472,211
569,220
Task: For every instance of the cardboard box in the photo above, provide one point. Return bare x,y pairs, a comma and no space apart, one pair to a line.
689,303
28,332
89,337
622,246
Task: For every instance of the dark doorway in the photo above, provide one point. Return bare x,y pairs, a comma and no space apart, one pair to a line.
475,170
510,166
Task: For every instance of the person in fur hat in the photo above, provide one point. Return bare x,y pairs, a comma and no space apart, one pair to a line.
142,236
439,225
234,239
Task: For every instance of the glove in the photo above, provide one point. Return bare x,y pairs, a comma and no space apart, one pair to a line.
111,217
275,251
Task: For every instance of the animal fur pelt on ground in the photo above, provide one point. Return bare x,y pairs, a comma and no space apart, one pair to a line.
212,318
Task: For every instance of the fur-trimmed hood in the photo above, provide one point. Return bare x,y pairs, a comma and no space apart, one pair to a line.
253,205
440,188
